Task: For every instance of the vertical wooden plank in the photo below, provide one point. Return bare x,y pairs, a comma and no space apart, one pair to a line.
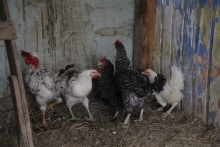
17,100
138,33
148,30
25,135
158,37
167,37
202,62
214,92
177,33
188,53
144,30
177,36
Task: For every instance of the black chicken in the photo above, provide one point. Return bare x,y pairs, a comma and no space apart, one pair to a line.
133,86
106,86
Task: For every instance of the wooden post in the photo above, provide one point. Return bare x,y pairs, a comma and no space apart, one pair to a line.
145,19
23,134
16,80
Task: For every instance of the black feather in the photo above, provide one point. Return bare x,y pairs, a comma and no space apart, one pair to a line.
106,87
131,83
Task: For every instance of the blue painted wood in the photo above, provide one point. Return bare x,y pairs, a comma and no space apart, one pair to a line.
179,4
195,45
214,68
177,34
188,54
159,3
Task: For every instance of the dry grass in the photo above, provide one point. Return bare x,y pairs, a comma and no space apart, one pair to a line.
179,129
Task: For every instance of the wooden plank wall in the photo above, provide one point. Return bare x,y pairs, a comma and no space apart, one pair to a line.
68,31
187,35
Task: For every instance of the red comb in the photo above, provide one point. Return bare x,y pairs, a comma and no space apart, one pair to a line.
103,58
24,54
97,70
117,41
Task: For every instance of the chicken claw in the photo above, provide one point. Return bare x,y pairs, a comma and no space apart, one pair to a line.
51,106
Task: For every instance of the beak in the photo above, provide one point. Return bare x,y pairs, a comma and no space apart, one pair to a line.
100,63
143,73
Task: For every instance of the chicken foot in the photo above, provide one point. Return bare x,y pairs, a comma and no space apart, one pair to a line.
73,117
127,119
86,105
168,111
51,106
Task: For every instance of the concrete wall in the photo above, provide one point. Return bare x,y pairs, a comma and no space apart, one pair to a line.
68,31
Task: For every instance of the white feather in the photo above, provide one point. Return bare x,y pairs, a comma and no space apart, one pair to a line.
172,90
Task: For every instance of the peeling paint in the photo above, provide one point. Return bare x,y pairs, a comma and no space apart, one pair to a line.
193,28
65,32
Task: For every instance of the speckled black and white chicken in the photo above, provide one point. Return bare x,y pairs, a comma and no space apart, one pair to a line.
42,82
172,91
133,86
106,87
78,89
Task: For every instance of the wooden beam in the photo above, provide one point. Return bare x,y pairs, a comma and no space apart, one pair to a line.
15,71
145,19
23,138
4,11
17,86
7,30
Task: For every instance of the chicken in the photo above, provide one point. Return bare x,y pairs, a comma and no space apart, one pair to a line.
78,89
133,86
106,87
42,83
172,91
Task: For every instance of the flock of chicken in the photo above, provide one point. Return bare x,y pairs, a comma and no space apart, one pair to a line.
124,89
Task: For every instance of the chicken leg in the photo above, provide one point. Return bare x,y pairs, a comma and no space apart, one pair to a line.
127,119
116,114
86,105
43,119
168,111
141,115
73,117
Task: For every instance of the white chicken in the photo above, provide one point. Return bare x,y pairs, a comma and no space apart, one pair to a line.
172,91
42,82
78,90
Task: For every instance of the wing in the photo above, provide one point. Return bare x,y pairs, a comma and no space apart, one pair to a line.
64,78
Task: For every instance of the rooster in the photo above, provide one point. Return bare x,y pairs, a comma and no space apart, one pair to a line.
106,87
78,89
134,87
172,91
42,82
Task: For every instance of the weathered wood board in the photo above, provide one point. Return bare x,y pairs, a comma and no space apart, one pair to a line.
187,35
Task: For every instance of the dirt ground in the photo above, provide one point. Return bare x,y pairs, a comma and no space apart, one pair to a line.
178,129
